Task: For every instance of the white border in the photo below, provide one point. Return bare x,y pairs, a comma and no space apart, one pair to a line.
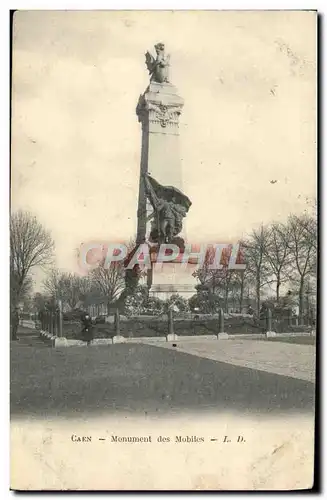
319,5
165,5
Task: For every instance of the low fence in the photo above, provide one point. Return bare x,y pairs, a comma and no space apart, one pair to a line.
161,326
51,322
135,327
168,326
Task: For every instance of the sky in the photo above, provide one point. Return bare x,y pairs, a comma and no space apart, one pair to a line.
249,84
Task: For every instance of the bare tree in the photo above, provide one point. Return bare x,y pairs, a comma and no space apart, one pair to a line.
68,287
110,280
224,281
302,247
277,253
241,282
23,292
52,284
204,274
256,261
31,245
210,277
40,300
220,282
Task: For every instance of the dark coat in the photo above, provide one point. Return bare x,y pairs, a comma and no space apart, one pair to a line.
87,331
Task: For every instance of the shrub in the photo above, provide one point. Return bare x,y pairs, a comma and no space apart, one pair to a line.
153,306
205,302
177,303
134,303
74,315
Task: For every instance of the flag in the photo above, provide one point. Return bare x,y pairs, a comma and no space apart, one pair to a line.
168,193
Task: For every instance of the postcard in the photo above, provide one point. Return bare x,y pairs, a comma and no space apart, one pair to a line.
163,250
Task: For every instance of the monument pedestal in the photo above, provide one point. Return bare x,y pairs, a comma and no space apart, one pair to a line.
171,278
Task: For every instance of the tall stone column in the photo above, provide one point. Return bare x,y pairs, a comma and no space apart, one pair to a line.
158,111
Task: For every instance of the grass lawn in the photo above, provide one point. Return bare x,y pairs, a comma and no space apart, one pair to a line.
79,381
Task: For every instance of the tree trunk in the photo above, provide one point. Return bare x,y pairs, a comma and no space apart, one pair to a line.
214,284
241,294
301,301
14,318
14,329
278,283
257,292
308,311
14,325
226,299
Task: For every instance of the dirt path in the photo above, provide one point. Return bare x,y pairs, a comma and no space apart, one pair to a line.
291,360
28,337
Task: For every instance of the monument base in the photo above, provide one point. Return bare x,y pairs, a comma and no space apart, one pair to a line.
169,279
222,336
171,337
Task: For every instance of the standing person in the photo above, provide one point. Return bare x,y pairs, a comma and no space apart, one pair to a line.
87,328
14,323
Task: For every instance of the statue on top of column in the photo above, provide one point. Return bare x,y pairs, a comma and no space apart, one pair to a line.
159,67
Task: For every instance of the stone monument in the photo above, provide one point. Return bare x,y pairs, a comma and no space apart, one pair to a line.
162,206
